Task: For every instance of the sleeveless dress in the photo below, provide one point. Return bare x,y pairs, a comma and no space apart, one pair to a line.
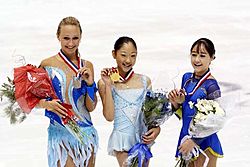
128,125
208,90
61,143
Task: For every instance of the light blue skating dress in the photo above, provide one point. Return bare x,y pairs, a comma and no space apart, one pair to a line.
128,127
61,143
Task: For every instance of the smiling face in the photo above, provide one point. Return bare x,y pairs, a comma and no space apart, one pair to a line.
125,57
200,59
69,37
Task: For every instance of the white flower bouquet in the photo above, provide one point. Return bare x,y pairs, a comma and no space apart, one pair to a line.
209,118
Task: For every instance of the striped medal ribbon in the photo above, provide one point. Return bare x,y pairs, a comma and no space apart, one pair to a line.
74,67
201,81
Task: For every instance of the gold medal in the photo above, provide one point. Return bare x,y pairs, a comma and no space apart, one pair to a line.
115,77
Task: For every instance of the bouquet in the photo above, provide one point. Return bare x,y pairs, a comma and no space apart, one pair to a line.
155,110
208,119
30,85
13,111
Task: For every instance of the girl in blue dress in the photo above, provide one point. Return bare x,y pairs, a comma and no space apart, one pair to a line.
122,101
197,85
73,81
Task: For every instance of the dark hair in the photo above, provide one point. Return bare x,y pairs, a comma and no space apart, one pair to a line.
209,46
119,42
68,21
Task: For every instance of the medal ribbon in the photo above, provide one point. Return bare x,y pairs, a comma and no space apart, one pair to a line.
128,76
201,81
70,63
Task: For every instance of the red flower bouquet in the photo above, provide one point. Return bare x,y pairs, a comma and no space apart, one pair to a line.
30,85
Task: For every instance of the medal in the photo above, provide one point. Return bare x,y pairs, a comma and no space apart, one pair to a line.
115,76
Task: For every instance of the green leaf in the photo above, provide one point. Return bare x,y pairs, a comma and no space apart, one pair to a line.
12,111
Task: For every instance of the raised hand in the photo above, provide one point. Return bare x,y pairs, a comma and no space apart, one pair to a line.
177,96
105,73
87,75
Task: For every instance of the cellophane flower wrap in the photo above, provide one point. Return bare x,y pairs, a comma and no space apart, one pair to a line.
209,118
30,85
155,110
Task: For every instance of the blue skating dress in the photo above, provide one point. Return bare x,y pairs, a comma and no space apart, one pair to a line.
209,89
61,143
128,127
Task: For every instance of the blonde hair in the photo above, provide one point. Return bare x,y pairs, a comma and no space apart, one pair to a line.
68,21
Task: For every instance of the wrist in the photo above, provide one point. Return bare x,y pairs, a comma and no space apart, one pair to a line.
43,103
108,85
90,84
91,90
175,106
158,128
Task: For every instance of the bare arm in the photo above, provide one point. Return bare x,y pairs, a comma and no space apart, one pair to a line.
87,74
104,87
53,106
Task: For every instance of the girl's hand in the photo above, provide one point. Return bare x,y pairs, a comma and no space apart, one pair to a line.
187,146
105,73
151,135
177,96
86,75
55,107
